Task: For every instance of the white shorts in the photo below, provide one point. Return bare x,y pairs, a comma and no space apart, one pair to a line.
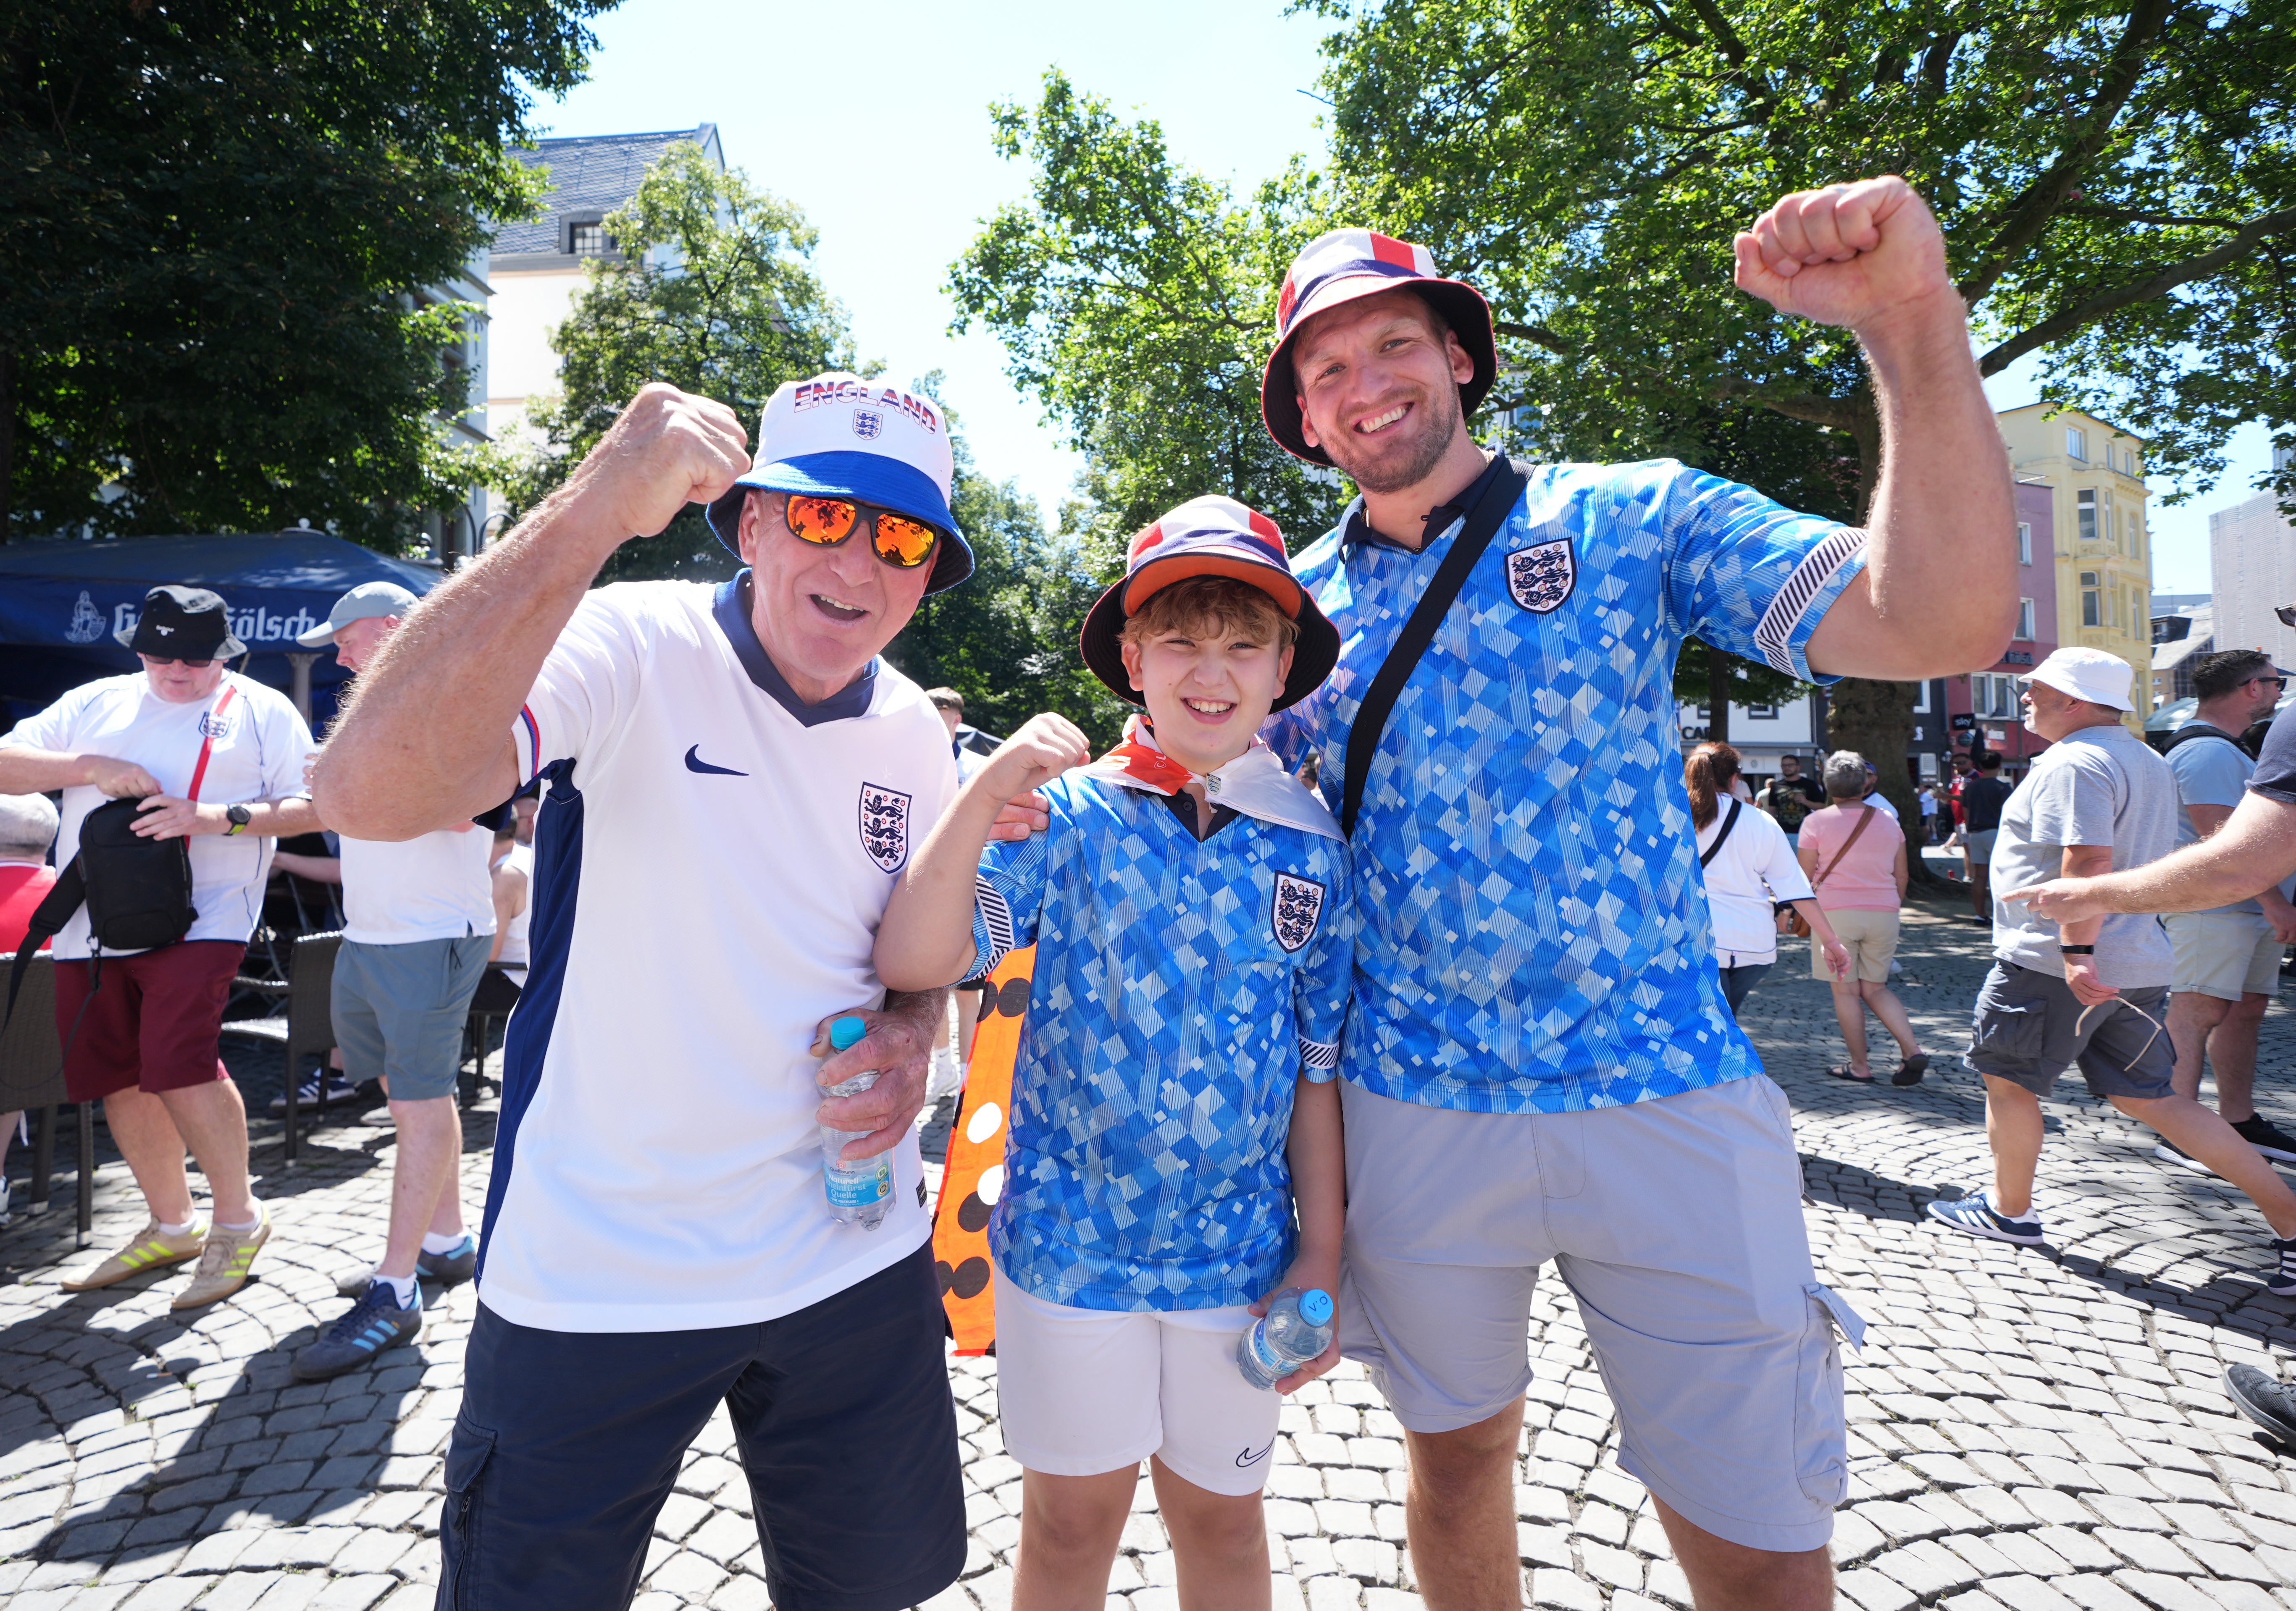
2226,954
1084,1391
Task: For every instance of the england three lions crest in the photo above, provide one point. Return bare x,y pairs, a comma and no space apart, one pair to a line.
885,826
1298,909
1540,578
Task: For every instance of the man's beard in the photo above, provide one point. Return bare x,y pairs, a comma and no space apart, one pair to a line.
1404,465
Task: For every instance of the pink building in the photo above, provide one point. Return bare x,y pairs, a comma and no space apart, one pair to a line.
1982,705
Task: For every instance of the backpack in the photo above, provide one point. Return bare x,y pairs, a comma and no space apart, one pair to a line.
137,890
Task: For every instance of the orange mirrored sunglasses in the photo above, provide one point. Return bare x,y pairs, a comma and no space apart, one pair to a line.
825,522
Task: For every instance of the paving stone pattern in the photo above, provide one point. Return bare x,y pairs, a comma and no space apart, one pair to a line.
2030,1429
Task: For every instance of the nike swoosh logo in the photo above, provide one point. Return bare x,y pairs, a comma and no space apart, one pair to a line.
1249,1458
694,763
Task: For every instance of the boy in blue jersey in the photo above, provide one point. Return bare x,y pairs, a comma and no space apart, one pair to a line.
1172,1099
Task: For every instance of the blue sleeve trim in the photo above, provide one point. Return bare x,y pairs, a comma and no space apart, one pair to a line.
1320,1058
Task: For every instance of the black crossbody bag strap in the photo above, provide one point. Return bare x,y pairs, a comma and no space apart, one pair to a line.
1728,823
53,911
1482,524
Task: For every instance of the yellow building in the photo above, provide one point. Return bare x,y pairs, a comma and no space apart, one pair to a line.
2103,541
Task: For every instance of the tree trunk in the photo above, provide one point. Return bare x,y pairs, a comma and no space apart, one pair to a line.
1876,719
7,438
1717,695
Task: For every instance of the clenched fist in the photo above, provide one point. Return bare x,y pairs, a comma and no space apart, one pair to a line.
1858,255
666,450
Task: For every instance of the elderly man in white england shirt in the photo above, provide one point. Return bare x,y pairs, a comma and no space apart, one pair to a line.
734,778
217,758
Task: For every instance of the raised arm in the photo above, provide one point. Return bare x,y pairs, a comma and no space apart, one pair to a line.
425,742
2256,846
1939,590
925,941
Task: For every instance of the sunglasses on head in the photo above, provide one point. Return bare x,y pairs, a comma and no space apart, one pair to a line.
825,522
2287,614
189,665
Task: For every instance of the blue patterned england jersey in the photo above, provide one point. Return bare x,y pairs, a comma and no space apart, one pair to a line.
1533,930
1181,990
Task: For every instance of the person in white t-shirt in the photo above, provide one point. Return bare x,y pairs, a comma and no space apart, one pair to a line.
1751,875
949,1057
734,780
419,920
513,872
216,758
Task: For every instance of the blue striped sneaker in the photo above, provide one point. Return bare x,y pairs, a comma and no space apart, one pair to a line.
1974,1215
375,1322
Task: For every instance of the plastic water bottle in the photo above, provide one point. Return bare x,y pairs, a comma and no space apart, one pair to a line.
1296,1329
859,1192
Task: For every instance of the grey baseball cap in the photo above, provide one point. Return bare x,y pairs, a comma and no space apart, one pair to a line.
364,602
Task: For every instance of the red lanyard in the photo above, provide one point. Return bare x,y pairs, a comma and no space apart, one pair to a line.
209,727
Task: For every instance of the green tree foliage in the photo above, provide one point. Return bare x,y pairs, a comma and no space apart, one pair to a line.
2115,184
1007,640
220,219
1138,302
1135,298
712,292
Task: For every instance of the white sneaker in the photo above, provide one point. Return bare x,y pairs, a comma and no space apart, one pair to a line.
947,1077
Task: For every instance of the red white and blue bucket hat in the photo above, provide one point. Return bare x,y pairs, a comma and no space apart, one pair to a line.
1209,536
1339,267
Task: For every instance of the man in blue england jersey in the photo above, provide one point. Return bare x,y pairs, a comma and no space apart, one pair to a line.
1538,1063
734,779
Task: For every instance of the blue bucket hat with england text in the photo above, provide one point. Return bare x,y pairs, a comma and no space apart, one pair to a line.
838,436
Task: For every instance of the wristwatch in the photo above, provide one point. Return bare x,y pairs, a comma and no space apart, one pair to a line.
240,815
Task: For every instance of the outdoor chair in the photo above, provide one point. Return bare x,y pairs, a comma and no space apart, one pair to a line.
32,1077
307,1028
497,994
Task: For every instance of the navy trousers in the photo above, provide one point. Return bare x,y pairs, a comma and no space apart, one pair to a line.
568,1443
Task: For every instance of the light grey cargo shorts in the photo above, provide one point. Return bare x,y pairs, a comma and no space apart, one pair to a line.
1677,1224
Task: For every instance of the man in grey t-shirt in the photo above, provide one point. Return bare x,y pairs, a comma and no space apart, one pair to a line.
2228,957
2091,992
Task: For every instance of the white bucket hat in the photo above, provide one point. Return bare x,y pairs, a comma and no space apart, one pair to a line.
2087,674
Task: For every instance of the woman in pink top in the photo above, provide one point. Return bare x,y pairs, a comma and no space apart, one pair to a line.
1856,859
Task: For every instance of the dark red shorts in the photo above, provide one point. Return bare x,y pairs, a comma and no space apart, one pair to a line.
154,1022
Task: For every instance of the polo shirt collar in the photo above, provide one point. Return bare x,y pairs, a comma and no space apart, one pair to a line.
731,607
1439,519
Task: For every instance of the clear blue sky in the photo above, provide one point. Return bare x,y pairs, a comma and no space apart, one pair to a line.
874,120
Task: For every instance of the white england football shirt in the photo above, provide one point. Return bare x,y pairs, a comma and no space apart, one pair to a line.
709,873
260,743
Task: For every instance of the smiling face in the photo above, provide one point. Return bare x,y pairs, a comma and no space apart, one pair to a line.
1379,383
821,613
1209,664
178,683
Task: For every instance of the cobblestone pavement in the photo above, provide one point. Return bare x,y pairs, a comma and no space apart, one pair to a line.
2030,1429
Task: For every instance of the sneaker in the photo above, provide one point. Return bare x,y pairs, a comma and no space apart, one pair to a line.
224,1262
2267,1138
947,1076
1974,1215
339,1089
448,1268
2168,1152
2270,1404
2281,1281
152,1249
373,1323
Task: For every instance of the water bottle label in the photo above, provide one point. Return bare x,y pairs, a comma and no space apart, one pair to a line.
861,1186
1269,1360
